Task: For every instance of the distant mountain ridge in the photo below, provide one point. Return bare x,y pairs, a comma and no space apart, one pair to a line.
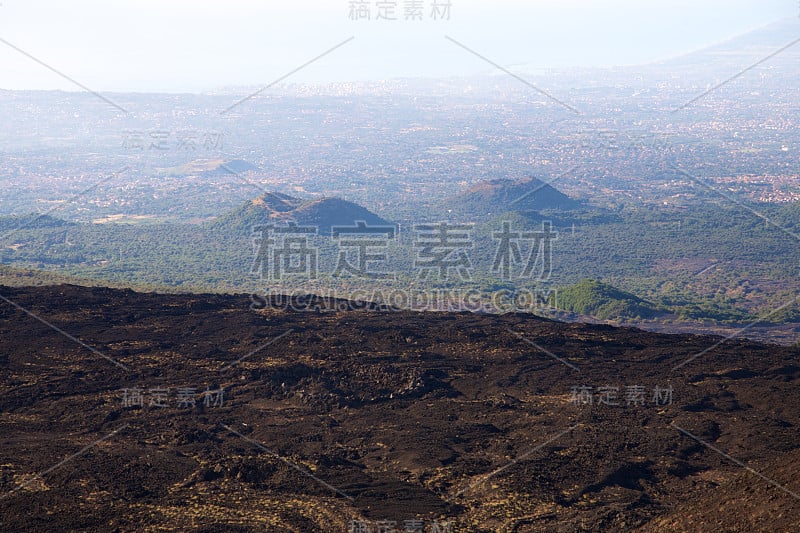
755,44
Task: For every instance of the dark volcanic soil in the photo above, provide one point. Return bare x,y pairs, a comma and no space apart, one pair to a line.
332,420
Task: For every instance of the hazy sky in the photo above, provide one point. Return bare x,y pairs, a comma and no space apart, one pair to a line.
191,45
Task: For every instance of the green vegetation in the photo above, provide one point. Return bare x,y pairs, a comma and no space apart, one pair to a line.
598,299
699,263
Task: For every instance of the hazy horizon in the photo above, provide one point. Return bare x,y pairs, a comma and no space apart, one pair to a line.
180,46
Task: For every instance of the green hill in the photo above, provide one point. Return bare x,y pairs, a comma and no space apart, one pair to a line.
31,221
493,197
209,167
603,301
323,213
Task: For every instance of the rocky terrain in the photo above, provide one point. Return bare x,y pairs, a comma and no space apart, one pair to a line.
122,411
